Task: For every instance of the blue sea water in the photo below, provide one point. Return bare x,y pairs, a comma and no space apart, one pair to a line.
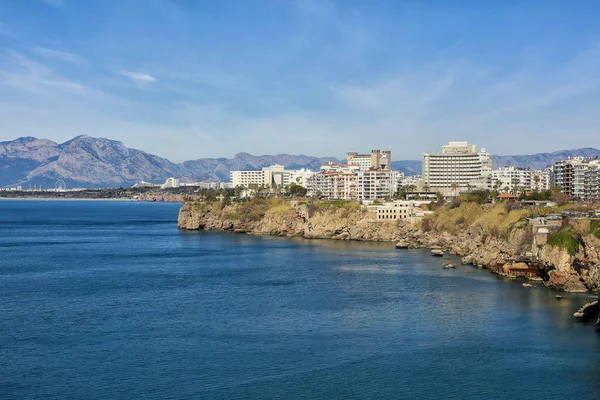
109,300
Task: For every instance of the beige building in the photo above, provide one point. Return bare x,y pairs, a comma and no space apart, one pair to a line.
378,159
397,210
458,165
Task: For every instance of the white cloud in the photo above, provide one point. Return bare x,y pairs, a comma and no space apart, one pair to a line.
58,55
139,77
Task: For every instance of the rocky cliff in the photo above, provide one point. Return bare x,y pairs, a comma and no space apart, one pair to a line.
483,234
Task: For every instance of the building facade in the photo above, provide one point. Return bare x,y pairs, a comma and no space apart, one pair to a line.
577,177
458,165
397,210
511,179
349,182
378,159
274,175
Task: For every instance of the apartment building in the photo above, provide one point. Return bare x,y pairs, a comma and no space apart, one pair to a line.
378,159
349,182
335,181
540,179
591,188
512,179
458,165
376,184
577,177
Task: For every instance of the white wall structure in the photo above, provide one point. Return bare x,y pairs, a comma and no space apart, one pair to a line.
170,183
458,164
399,209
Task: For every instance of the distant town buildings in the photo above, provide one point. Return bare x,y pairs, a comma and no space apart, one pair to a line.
458,168
378,159
274,175
577,177
170,183
511,179
459,165
365,177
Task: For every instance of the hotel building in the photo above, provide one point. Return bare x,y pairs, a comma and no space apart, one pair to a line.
459,164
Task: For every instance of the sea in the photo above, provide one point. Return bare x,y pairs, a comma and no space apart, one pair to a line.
110,300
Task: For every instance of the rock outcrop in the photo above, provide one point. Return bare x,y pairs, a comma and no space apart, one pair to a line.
589,311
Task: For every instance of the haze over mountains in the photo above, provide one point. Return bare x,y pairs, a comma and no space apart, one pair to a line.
85,161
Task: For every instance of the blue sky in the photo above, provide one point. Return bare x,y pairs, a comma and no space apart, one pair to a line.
190,79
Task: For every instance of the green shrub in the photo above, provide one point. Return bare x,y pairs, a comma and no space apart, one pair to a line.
564,240
595,228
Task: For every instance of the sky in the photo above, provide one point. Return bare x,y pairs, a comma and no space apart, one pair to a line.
187,79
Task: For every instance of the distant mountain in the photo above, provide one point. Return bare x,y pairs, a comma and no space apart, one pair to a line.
409,167
542,160
85,161
214,169
80,162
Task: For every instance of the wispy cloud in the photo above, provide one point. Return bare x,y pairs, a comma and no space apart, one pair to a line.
29,75
139,77
58,55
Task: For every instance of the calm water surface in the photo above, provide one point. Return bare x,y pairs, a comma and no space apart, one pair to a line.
110,300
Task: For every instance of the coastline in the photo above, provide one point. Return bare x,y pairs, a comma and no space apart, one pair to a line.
503,254
475,241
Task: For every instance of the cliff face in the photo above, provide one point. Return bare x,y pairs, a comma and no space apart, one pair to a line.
299,220
572,272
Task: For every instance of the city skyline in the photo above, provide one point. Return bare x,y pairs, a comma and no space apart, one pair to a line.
187,80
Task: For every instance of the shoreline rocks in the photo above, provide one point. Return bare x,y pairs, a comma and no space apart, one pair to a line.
559,269
589,311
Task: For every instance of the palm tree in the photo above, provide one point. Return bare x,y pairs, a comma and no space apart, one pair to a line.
514,182
454,187
536,179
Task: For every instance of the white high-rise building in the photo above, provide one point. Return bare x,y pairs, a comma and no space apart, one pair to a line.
512,179
459,164
576,177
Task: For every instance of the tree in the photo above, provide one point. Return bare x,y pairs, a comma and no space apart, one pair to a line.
514,182
238,191
454,187
297,190
536,179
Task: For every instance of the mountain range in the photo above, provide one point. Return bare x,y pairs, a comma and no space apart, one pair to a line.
85,161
